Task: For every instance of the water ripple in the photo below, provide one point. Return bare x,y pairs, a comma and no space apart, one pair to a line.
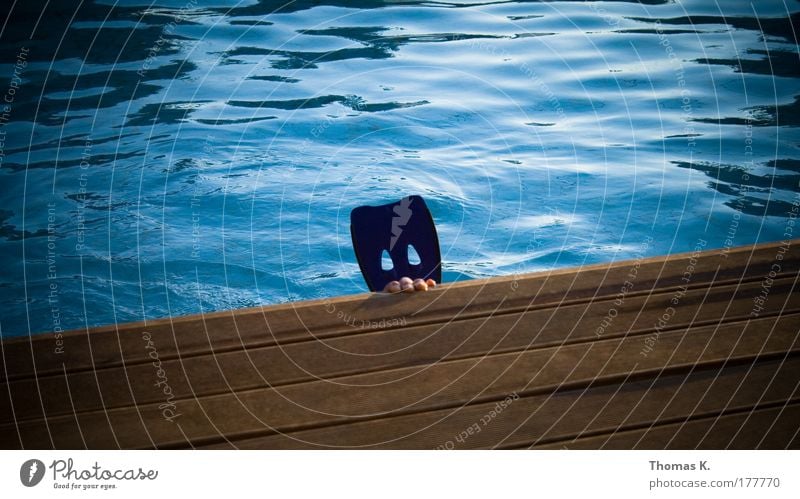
165,159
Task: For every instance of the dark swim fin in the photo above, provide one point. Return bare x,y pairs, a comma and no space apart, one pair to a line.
393,228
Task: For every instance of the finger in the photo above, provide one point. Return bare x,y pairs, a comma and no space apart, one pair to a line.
407,285
431,283
392,287
420,285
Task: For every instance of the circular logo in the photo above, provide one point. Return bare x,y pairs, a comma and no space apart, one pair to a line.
31,472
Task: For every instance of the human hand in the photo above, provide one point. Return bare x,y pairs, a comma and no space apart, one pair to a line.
406,285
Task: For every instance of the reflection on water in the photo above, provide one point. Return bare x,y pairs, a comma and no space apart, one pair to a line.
172,158
741,184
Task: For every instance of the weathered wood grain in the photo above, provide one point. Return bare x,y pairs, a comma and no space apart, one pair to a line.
239,370
564,419
413,389
752,428
659,352
248,328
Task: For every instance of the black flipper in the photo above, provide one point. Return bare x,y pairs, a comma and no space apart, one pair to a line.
393,228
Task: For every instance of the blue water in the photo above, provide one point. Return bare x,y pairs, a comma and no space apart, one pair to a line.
166,159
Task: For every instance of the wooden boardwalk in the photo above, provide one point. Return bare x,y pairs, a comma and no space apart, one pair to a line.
690,351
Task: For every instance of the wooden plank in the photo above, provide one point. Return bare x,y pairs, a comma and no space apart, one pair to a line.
373,351
264,326
557,418
775,428
408,390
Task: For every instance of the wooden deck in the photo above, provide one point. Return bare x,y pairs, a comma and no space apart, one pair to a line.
689,351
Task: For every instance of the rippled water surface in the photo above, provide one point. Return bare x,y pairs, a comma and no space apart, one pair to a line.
182,157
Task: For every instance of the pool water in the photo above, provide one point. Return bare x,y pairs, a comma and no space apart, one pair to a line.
184,157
